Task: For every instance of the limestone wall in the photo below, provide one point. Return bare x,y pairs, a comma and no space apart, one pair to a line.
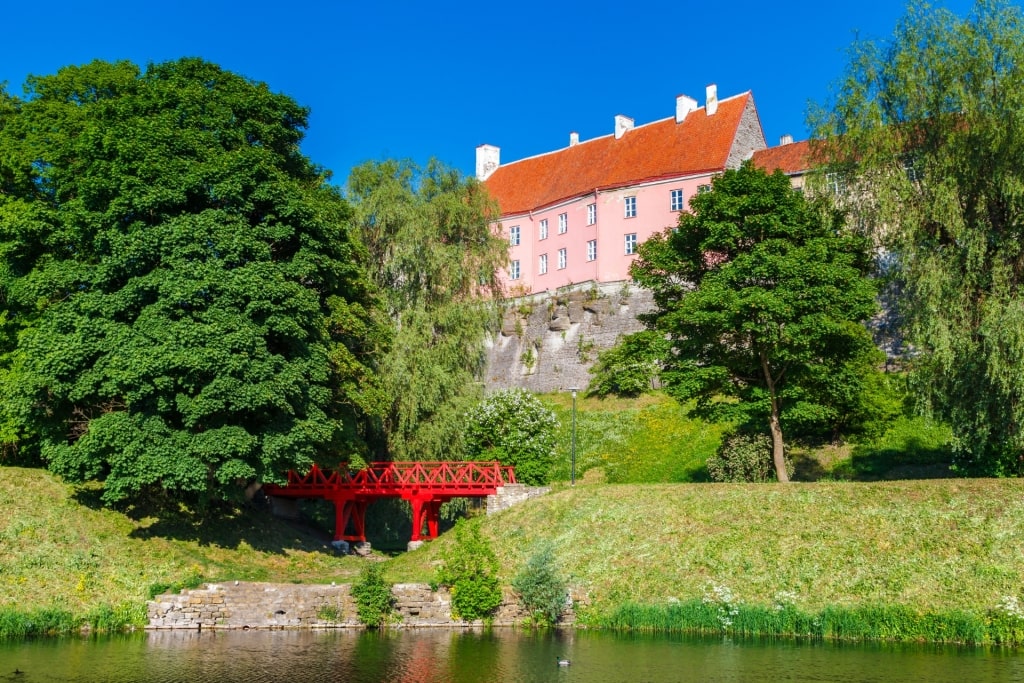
513,494
548,342
243,605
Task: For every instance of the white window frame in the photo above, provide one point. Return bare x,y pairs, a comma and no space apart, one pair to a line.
542,264
562,258
514,272
542,231
630,243
591,250
629,206
514,235
563,223
591,214
676,200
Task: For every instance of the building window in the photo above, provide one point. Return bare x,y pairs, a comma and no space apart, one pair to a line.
542,265
561,259
543,232
513,235
630,207
513,270
835,183
563,223
677,201
701,189
591,214
912,167
631,243
591,250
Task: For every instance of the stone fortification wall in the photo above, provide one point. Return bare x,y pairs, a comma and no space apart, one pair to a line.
242,605
548,342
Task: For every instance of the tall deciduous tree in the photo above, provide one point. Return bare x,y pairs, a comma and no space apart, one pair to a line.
434,258
763,297
183,278
928,128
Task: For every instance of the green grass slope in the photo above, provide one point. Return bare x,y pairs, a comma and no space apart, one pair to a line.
937,545
60,551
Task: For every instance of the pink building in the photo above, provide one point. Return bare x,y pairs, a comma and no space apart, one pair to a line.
577,214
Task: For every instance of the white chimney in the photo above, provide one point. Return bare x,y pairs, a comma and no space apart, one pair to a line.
684,105
622,124
488,157
712,100
786,139
574,139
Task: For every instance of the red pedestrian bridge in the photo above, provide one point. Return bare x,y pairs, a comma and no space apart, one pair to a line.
426,485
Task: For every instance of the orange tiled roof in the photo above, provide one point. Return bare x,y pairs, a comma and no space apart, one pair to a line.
792,158
662,149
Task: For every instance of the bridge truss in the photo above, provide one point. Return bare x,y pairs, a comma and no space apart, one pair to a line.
426,485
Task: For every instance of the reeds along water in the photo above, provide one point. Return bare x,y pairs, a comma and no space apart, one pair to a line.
16,624
883,623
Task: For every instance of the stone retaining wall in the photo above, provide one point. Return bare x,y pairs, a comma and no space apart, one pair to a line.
242,605
513,494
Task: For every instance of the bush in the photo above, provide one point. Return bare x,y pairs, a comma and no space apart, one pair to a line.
541,588
374,601
631,367
743,458
470,570
513,427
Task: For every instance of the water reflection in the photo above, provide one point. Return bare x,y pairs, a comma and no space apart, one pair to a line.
498,656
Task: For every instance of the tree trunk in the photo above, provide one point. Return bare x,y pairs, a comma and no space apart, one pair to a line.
778,452
778,446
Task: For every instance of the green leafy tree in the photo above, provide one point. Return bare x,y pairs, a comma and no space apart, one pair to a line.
631,366
513,427
180,276
928,132
470,569
434,257
763,297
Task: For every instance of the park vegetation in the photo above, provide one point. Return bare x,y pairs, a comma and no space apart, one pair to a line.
764,296
188,308
927,137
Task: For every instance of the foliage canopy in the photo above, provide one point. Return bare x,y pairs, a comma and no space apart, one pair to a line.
763,296
434,258
180,278
928,130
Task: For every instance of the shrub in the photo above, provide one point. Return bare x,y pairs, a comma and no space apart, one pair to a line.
743,458
374,601
540,587
513,427
469,569
631,367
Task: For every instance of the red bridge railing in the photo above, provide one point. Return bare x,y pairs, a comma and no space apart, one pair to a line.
426,485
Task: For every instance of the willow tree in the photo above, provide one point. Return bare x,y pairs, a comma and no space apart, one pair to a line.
181,278
928,130
434,258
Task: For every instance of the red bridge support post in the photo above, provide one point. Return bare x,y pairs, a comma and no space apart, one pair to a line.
346,509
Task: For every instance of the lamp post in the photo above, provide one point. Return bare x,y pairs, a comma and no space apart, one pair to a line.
572,479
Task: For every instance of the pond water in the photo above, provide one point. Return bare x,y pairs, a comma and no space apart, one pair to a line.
498,656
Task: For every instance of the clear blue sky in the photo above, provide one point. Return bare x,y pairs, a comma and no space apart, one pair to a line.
422,79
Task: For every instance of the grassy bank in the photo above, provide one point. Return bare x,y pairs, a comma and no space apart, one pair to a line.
67,563
938,549
937,559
